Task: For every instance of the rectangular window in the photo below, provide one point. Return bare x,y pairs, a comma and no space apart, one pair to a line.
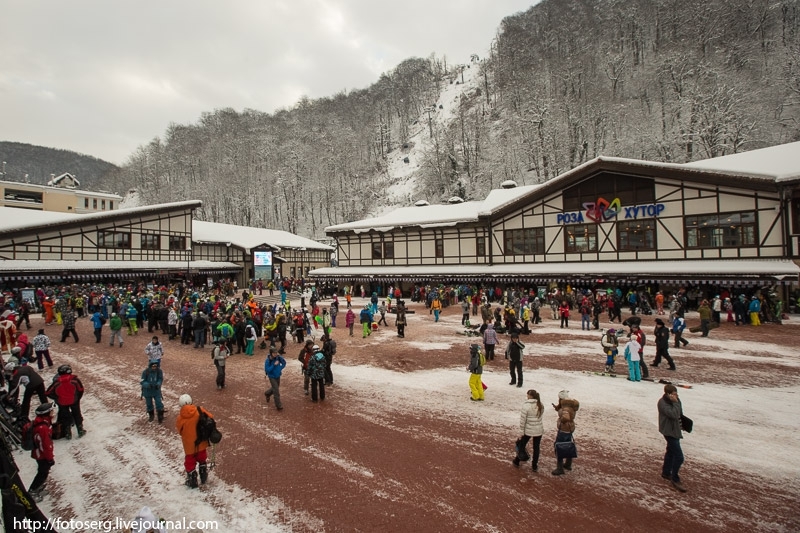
388,250
291,272
377,250
86,203
151,242
113,239
177,243
723,230
635,235
94,203
439,247
110,205
480,246
528,241
103,205
580,238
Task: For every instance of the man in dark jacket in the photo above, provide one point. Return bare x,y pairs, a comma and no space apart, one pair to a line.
328,350
669,425
514,356
661,334
34,384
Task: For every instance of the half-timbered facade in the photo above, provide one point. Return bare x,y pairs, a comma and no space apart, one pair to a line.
733,219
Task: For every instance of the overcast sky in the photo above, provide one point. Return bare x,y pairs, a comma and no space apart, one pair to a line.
102,77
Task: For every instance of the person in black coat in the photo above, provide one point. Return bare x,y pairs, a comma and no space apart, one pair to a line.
34,384
661,335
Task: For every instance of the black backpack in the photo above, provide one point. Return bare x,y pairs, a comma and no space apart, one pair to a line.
206,429
27,436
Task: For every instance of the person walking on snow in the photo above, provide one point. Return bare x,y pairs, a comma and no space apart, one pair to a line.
366,322
476,362
273,368
566,408
531,426
152,378
661,334
154,351
514,356
670,411
194,450
42,450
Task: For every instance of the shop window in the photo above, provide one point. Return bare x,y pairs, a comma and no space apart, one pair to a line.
526,241
113,239
633,235
291,272
723,230
151,242
580,238
177,243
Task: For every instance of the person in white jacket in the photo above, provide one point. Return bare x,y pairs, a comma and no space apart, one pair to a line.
530,424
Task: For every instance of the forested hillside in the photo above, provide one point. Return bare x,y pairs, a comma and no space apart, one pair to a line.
38,163
668,80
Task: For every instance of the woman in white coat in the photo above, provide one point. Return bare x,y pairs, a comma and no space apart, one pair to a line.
530,423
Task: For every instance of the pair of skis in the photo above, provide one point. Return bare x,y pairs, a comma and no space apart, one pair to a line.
652,380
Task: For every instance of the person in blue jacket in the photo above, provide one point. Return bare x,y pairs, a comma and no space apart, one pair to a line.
98,321
366,322
152,378
273,368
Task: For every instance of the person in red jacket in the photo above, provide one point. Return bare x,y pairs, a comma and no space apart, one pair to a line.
42,448
563,312
67,391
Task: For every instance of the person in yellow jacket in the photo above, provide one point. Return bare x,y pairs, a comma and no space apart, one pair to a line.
436,307
195,451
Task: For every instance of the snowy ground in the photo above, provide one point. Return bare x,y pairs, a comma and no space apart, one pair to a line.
411,396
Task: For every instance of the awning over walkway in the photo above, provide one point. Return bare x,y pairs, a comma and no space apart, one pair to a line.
21,270
733,271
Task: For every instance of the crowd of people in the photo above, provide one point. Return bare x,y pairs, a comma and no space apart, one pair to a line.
233,323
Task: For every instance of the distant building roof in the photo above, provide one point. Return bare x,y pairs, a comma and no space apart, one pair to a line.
247,237
67,179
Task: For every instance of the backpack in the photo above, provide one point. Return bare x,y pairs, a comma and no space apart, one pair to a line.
332,348
27,433
102,320
206,429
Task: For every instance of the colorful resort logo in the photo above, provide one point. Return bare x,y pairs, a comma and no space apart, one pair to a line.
603,211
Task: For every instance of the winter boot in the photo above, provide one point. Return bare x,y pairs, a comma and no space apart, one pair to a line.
160,416
81,431
559,471
568,464
203,473
191,479
68,433
151,416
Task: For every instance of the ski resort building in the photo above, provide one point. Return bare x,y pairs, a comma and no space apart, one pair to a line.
157,242
732,220
61,194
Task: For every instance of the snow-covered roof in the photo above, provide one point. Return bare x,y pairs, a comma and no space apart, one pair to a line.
92,194
436,215
12,218
66,175
701,268
57,265
781,162
247,238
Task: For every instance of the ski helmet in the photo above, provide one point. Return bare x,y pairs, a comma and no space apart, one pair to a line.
185,399
64,369
45,408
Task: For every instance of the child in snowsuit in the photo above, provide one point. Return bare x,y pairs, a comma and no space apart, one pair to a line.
610,348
